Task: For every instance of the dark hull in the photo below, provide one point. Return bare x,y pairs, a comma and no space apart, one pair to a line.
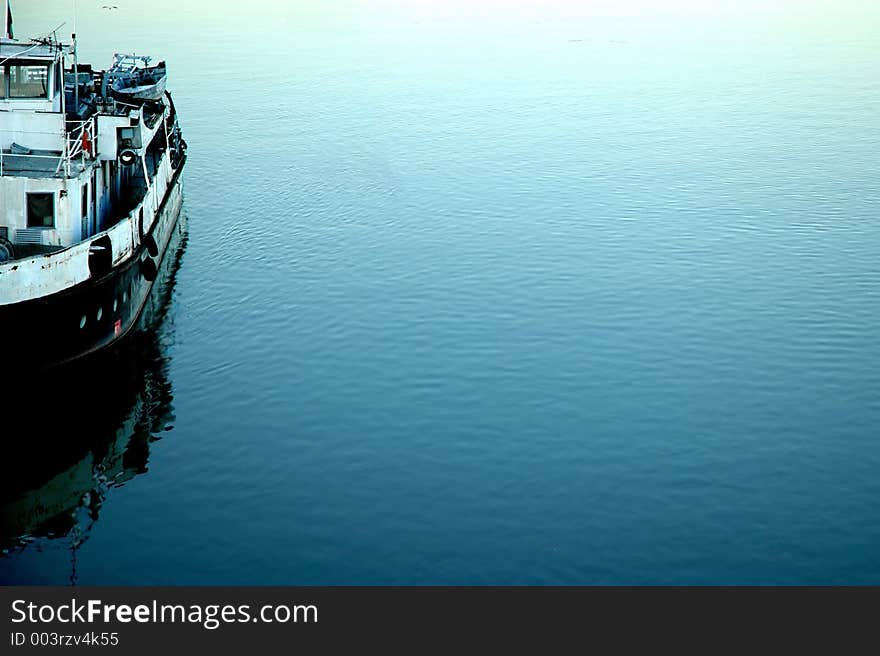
95,314
53,486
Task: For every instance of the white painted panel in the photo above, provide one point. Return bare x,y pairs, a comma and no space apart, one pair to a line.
121,240
106,142
33,130
21,280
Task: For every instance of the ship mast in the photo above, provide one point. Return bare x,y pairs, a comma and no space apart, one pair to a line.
75,65
7,20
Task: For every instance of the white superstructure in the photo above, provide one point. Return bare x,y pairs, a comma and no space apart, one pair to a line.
80,172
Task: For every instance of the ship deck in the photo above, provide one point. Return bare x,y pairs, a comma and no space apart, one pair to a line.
37,164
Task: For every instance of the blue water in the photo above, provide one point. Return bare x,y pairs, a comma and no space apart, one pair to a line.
519,293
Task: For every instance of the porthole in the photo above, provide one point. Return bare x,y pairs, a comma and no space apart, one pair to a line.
100,314
125,296
115,304
82,322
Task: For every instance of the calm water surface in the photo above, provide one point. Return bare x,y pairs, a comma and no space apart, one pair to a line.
517,292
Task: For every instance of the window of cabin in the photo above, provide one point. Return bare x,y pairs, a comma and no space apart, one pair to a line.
85,201
28,80
2,81
41,210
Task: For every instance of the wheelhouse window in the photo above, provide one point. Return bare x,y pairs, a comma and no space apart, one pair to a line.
41,210
24,81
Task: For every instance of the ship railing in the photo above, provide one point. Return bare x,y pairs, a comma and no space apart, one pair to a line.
74,147
81,141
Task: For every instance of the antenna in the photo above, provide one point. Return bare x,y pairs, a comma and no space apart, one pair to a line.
75,65
7,20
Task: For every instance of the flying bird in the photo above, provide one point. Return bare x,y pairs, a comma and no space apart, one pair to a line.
109,7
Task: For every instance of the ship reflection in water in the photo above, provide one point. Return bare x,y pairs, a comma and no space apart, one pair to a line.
63,460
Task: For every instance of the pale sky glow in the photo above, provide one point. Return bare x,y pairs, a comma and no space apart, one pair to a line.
636,10
706,29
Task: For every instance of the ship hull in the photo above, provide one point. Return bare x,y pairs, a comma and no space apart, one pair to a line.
93,315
